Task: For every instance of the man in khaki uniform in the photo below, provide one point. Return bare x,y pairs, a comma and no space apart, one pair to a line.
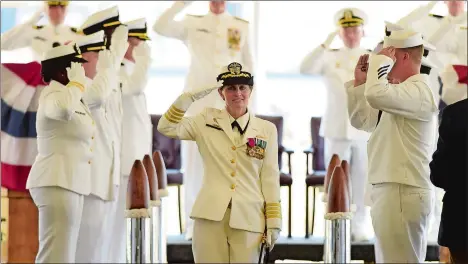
240,199
337,66
213,41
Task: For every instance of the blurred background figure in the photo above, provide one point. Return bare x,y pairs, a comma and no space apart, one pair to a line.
337,67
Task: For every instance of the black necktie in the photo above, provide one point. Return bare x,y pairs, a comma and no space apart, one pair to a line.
236,124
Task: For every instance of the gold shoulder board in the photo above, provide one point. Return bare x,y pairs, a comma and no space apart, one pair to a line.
240,19
74,29
197,16
38,27
436,16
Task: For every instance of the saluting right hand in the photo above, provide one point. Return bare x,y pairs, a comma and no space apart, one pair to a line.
330,39
204,92
360,71
76,73
119,44
105,60
36,17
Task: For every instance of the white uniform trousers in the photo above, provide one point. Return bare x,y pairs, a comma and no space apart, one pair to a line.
60,216
217,242
93,238
400,216
193,179
355,152
118,224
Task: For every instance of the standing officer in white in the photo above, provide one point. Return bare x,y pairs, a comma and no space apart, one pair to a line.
337,67
97,205
41,38
213,40
391,99
60,177
240,196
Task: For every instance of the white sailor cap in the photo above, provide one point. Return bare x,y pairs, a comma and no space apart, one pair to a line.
57,3
59,57
101,20
93,42
350,17
406,38
137,28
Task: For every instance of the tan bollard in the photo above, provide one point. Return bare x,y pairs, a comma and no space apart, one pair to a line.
345,167
155,202
163,192
137,213
337,246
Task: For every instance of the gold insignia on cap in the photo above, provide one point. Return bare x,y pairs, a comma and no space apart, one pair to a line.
348,14
234,68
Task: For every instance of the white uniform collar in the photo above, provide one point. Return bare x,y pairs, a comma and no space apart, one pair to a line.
221,16
243,120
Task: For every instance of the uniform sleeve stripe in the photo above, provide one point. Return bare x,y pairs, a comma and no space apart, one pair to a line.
170,119
177,110
175,114
382,74
383,68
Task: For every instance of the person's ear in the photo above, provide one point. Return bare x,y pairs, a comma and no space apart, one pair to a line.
220,91
406,56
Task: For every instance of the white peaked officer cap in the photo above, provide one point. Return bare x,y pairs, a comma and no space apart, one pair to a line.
93,42
106,18
350,17
406,38
65,51
137,28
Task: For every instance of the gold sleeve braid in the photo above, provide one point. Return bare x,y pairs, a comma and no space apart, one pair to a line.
174,114
273,210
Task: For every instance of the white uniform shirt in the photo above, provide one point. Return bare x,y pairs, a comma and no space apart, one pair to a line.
137,128
39,38
401,145
337,67
213,41
65,136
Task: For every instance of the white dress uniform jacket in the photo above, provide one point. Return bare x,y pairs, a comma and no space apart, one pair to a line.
102,169
137,127
231,175
39,38
213,42
337,67
400,147
65,138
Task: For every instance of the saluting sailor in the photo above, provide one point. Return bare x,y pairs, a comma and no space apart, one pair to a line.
213,41
337,67
390,98
60,178
41,38
240,196
116,40
101,79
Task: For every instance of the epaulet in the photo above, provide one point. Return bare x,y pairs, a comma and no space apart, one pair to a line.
196,16
240,19
122,64
38,27
436,16
74,29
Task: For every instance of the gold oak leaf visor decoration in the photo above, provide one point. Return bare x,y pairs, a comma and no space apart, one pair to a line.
235,75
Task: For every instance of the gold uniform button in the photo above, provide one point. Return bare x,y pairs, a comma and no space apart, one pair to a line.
93,123
233,147
92,138
233,161
89,162
91,149
233,187
233,174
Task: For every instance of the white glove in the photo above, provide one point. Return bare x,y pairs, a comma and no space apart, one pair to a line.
204,92
330,39
36,17
119,44
105,61
186,3
272,236
142,55
76,73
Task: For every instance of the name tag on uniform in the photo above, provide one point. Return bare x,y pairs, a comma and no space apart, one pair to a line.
80,113
256,148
